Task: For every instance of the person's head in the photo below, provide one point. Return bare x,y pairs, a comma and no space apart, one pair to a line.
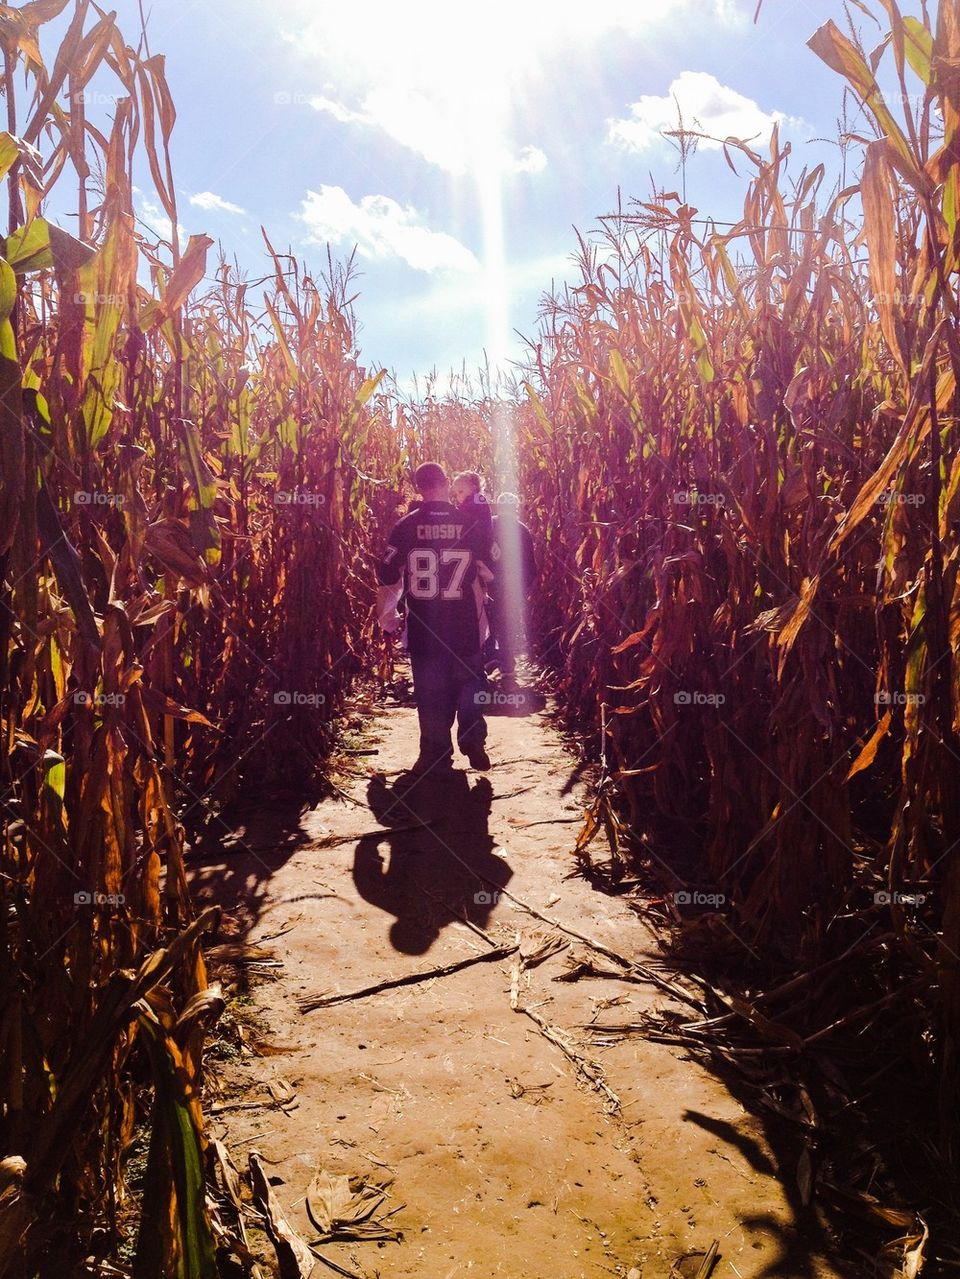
508,504
431,482
465,485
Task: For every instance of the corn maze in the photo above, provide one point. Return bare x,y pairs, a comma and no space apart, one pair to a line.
738,449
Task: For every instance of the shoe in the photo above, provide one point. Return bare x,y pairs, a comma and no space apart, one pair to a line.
491,666
478,758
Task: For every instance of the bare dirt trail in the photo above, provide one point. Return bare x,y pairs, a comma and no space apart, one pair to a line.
509,1156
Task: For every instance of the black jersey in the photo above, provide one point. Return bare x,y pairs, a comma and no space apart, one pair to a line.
516,561
435,550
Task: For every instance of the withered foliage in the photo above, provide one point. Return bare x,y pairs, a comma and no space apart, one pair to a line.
741,454
191,468
738,452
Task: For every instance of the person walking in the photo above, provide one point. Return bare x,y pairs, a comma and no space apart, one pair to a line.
514,570
433,556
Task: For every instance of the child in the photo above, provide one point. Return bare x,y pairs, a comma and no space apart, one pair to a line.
470,502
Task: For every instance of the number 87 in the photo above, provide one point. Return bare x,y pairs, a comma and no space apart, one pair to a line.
423,574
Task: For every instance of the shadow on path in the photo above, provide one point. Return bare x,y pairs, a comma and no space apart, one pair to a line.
235,861
434,861
499,698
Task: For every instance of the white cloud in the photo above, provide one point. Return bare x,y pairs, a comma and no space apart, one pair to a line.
434,42
529,160
450,81
210,201
454,300
410,118
382,228
729,13
338,110
706,105
152,215
447,137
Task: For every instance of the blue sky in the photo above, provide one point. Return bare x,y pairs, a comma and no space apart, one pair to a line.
457,146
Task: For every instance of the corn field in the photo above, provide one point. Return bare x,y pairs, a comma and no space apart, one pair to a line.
180,479
738,451
741,447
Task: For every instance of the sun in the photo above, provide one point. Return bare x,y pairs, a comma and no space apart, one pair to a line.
444,66
441,79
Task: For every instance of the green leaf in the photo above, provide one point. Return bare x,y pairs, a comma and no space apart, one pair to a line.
28,247
705,366
13,489
282,343
103,312
8,290
368,387
9,150
175,1129
587,403
618,371
8,350
55,773
39,245
204,530
699,339
538,408
951,199
918,46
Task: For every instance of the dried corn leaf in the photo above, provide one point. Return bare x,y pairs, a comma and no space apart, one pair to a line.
344,1210
295,1259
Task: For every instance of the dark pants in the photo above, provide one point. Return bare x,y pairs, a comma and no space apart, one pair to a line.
448,688
506,634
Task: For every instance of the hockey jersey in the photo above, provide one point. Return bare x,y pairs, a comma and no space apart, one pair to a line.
433,554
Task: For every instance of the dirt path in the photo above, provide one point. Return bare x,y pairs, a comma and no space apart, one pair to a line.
508,1158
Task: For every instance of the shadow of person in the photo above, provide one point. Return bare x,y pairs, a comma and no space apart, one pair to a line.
434,861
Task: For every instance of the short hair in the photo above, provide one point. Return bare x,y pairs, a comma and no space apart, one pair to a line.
508,499
428,476
472,478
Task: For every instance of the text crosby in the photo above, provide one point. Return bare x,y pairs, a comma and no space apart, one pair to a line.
428,532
